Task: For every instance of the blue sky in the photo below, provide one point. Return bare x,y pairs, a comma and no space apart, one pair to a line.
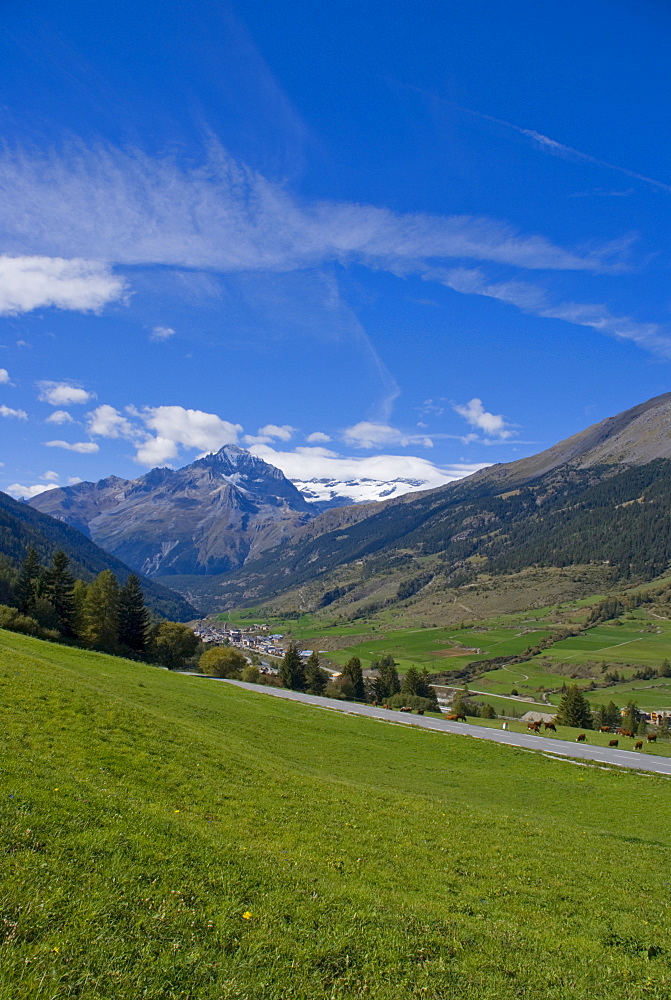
361,239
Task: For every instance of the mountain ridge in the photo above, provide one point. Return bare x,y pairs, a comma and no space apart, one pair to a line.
21,527
472,518
206,517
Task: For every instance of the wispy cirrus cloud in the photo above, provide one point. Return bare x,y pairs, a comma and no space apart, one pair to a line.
533,299
128,208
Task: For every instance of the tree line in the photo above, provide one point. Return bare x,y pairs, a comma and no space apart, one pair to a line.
298,673
49,602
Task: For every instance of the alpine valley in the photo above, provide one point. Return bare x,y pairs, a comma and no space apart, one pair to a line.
230,530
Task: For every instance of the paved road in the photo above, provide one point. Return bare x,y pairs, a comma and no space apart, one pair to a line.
579,751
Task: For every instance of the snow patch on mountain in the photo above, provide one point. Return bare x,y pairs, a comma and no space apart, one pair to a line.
326,493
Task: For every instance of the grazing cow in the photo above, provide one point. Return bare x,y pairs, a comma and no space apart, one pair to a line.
550,725
651,737
534,726
420,711
604,729
639,745
613,743
405,709
581,738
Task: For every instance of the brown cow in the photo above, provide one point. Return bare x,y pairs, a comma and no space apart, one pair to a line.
405,709
604,729
534,726
651,737
420,711
613,743
639,745
550,725
581,738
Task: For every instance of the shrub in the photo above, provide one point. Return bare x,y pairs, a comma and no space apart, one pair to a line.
14,621
223,661
251,674
413,701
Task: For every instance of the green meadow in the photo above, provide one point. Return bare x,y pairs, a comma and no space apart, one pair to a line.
165,836
443,649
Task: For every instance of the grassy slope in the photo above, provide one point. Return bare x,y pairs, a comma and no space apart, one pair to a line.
144,813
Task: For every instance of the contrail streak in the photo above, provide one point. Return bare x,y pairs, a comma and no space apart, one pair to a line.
559,149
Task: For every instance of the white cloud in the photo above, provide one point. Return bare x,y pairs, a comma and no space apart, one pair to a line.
161,333
129,208
19,491
4,376
283,433
106,421
59,417
369,435
176,426
123,206
304,464
318,437
7,411
62,393
83,447
28,283
476,415
72,480
50,476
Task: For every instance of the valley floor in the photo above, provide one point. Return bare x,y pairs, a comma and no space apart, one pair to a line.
165,837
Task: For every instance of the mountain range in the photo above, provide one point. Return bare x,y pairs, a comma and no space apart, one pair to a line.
229,529
207,518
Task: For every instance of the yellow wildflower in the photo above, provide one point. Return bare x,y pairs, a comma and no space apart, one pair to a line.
246,915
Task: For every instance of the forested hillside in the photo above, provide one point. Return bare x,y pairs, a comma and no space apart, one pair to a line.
448,538
22,527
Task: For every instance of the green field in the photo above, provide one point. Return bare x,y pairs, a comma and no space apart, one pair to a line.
642,638
443,649
638,639
166,836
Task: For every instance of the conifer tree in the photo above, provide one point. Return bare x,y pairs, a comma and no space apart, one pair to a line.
607,715
387,683
60,586
133,616
79,592
24,589
632,717
316,679
574,709
292,669
101,611
351,680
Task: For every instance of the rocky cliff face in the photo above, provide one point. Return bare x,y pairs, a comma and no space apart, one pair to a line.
208,517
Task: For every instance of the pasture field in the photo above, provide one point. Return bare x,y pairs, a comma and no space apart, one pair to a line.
443,649
636,639
166,837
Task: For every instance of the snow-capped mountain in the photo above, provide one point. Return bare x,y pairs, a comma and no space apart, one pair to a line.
326,493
